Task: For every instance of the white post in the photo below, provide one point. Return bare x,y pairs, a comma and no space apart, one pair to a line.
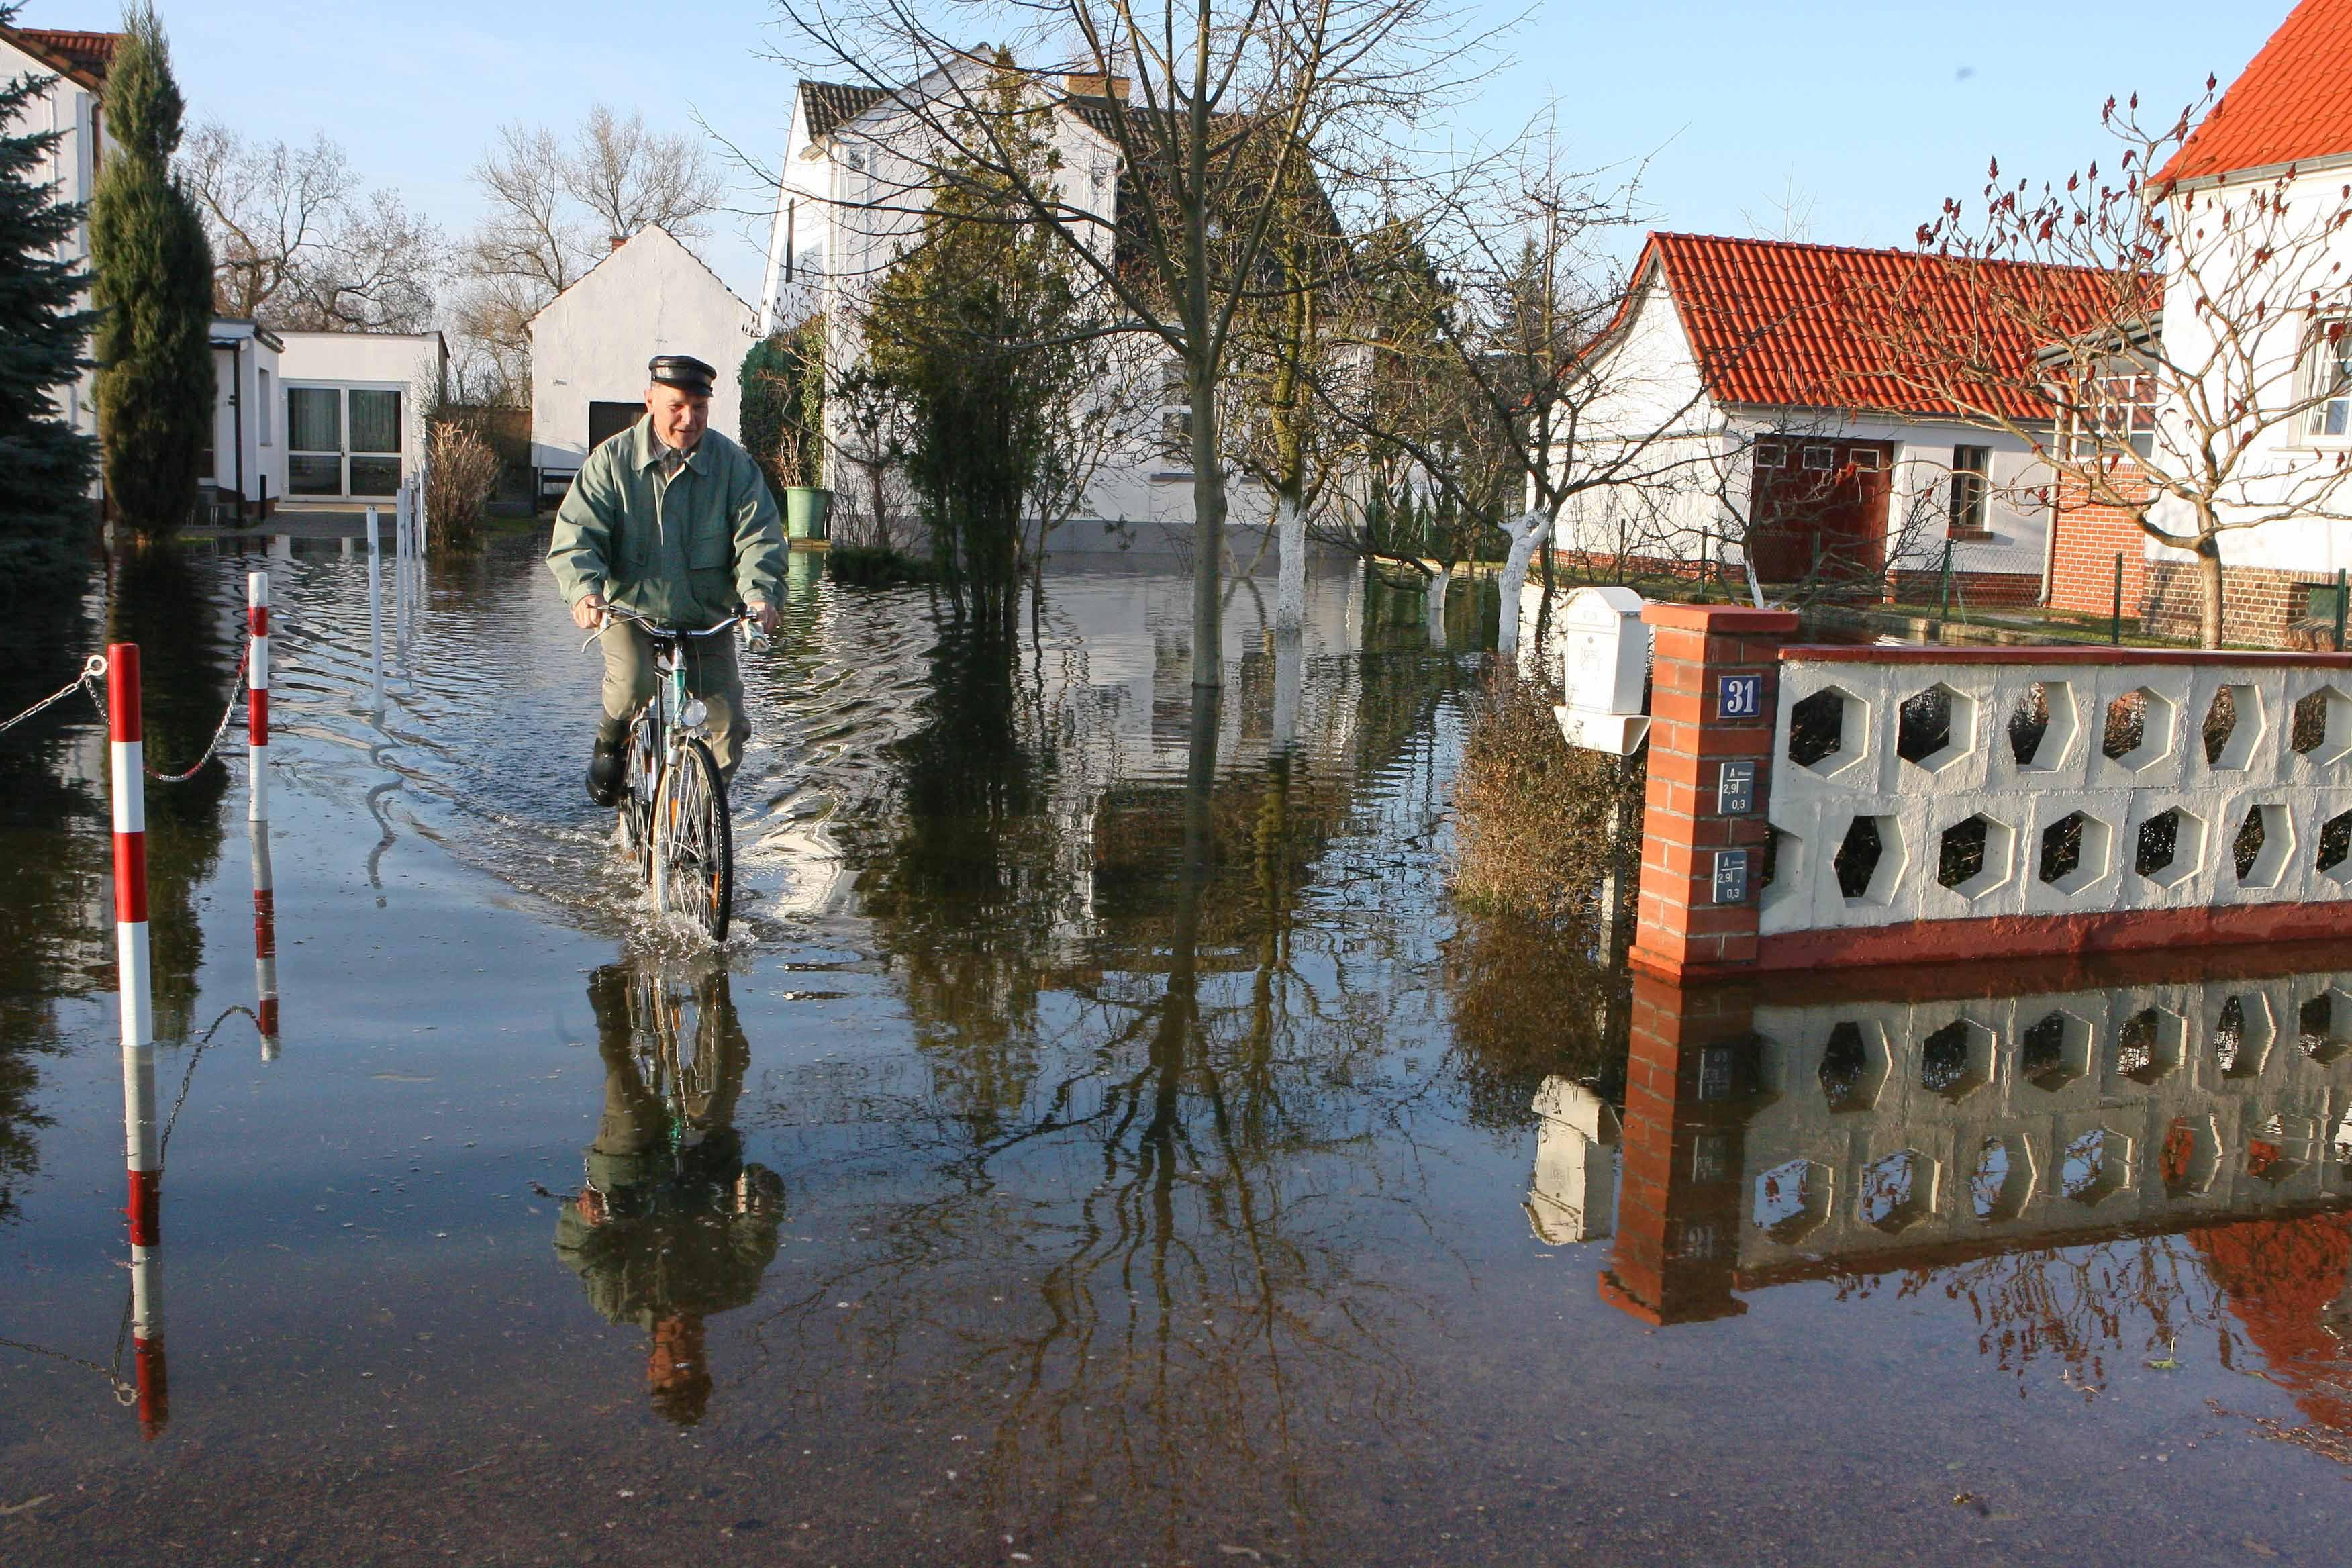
375,616
265,940
257,702
400,576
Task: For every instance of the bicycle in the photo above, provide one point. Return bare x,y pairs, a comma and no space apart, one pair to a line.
673,810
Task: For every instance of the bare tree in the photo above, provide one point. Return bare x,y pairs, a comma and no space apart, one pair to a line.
1209,109
558,204
2163,344
298,243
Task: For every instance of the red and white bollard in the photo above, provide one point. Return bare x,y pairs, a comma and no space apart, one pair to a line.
265,942
143,1157
256,705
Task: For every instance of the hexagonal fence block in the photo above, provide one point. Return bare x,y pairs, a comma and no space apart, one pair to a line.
2002,1182
1896,1191
2149,1046
1853,1067
1869,859
1936,728
1974,856
2074,851
2093,1165
2041,726
2190,1157
2234,727
2334,857
2259,849
2323,1027
1829,731
2055,1050
2274,1149
2137,733
2170,846
2320,730
1792,1200
2241,1040
1956,1060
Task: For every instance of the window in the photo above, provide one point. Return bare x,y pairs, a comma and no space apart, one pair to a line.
1866,458
262,406
1966,503
2117,409
1819,457
2331,380
342,442
1176,434
1771,455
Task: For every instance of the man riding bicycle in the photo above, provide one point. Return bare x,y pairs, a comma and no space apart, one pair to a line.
673,521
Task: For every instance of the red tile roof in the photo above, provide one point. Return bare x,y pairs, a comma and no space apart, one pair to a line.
84,57
1777,324
2288,107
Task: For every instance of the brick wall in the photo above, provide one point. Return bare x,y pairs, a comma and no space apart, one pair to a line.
2260,604
2085,539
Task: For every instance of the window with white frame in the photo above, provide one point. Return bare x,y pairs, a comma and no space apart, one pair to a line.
2330,383
1965,505
1771,455
263,405
2116,409
342,441
1821,457
1175,414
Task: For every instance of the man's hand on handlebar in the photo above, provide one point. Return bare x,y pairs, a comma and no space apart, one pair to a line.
588,613
762,615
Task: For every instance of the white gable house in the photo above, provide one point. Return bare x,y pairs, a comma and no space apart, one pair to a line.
590,345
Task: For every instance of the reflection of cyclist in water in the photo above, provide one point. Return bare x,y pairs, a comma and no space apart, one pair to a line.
672,1225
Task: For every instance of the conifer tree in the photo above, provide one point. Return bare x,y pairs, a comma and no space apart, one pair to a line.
45,463
154,292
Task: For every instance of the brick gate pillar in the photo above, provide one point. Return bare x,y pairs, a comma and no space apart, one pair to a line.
1714,698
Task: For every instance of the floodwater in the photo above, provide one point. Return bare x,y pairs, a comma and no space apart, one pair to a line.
1103,1142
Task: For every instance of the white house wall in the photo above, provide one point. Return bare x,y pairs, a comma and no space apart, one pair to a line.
2307,544
68,108
650,296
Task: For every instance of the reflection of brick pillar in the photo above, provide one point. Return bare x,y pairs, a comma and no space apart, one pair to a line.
1690,1086
1695,647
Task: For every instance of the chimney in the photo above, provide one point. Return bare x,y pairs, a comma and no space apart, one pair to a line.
619,240
1097,85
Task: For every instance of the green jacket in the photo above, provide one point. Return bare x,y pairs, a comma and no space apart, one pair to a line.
685,554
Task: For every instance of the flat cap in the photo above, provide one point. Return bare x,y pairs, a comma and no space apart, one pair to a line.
684,372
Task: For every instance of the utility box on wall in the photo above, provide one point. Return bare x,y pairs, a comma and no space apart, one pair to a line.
1606,665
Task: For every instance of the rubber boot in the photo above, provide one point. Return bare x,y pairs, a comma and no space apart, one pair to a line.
606,763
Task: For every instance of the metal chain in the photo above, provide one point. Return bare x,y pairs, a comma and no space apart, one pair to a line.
235,696
93,670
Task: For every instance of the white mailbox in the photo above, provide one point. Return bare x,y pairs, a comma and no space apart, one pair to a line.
1605,663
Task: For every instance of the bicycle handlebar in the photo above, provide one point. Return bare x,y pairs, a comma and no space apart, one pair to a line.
655,629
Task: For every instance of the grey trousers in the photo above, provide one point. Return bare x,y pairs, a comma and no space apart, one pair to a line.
630,680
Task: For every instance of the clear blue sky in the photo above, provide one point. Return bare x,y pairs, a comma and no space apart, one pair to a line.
1872,110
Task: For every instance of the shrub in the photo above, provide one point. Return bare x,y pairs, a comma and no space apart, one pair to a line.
461,472
1534,815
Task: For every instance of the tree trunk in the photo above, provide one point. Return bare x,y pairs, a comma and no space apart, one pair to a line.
1524,531
1290,576
2209,592
1208,537
1435,611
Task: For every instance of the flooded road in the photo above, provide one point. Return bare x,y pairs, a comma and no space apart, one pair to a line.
1103,1140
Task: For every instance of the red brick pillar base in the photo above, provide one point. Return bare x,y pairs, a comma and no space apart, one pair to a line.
1704,657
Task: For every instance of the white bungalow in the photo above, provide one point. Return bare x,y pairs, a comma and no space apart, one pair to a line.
590,345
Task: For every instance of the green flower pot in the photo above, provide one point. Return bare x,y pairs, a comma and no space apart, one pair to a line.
807,510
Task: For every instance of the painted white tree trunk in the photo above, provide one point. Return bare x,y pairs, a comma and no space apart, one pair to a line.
1525,530
1437,608
1290,580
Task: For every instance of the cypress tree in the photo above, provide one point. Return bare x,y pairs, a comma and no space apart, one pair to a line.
45,463
154,292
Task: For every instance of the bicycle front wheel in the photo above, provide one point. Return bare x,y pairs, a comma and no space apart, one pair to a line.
694,849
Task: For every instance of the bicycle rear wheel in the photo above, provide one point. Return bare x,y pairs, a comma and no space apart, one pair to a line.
693,848
640,781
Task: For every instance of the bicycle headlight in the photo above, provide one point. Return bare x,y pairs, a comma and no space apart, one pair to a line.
694,712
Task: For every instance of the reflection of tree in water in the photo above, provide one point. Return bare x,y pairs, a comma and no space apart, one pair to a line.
1181,1125
2278,1287
55,854
187,661
671,1225
1532,1001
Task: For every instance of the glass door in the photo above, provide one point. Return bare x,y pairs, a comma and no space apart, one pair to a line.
342,441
